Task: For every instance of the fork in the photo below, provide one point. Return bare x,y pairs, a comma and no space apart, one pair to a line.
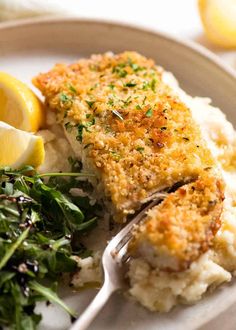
114,259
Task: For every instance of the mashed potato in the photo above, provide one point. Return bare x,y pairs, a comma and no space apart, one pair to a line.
57,148
158,290
90,271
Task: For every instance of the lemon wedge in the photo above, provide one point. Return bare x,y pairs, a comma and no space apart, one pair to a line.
219,21
19,106
19,148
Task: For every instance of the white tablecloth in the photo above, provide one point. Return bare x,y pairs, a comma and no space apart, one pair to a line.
177,17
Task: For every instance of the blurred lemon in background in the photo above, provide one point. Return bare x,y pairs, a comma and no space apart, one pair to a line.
19,106
219,21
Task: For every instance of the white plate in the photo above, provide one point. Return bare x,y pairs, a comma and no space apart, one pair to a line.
29,47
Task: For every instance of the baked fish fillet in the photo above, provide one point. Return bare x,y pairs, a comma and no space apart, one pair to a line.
181,228
133,132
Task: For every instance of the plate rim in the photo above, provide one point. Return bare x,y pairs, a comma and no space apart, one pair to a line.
198,49
193,46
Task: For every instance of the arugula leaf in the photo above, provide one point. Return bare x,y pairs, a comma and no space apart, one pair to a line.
58,203
13,248
39,232
50,295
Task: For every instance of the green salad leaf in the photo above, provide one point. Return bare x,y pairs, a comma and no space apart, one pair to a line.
41,225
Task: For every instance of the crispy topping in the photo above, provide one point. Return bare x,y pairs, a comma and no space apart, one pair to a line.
141,137
182,227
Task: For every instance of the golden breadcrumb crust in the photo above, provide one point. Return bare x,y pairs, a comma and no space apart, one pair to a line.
183,226
138,136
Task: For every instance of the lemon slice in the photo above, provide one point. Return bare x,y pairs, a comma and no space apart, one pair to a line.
19,148
19,106
219,21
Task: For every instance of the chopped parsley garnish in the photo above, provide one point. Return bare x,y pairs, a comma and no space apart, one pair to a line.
144,99
153,84
127,101
186,138
115,155
121,65
72,89
65,98
130,84
90,103
68,127
110,102
149,113
94,86
90,123
111,86
119,69
134,66
140,149
80,129
88,145
163,128
122,73
138,107
83,126
107,129
117,114
146,85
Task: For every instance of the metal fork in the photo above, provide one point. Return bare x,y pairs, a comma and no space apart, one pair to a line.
113,260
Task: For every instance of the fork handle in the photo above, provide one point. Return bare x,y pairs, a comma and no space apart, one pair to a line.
94,307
